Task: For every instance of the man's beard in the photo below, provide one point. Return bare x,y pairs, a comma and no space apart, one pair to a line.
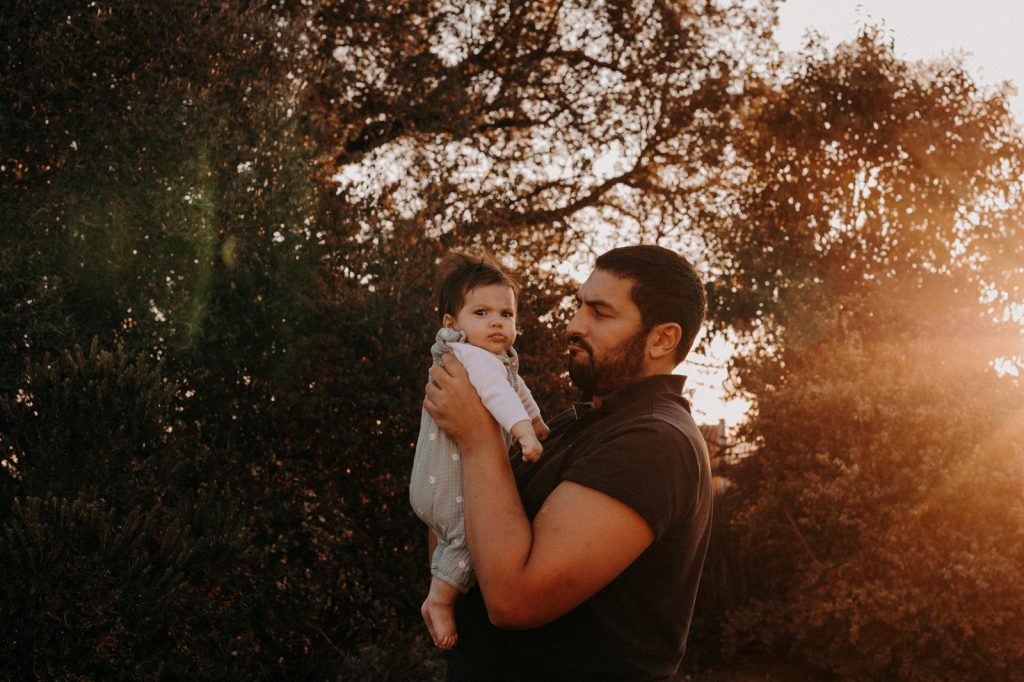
622,366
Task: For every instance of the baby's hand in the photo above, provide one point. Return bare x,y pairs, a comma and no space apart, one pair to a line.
540,428
531,448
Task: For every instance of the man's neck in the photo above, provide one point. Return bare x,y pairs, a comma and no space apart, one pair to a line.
650,372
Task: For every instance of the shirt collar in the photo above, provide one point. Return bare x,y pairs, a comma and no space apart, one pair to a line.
633,391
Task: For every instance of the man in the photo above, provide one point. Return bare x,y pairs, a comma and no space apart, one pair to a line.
588,560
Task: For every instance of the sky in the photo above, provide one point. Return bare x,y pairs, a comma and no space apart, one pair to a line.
989,31
706,377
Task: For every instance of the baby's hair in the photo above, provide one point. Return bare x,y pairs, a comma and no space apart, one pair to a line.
462,272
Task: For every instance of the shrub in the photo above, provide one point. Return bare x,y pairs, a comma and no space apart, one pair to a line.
116,558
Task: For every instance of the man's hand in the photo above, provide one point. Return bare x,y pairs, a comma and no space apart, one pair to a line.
456,407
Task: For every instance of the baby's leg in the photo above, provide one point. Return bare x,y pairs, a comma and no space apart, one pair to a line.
439,613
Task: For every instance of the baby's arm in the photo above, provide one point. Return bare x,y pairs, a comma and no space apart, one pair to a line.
532,410
490,379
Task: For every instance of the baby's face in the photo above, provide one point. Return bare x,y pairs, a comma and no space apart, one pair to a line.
488,316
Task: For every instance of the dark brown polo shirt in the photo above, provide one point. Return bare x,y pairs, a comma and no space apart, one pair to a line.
641,447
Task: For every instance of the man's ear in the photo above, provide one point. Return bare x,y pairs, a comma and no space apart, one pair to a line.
447,321
663,339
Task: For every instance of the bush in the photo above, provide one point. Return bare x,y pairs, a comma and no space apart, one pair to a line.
116,558
883,513
87,418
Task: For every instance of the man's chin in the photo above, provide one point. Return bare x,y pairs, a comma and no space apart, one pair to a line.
581,379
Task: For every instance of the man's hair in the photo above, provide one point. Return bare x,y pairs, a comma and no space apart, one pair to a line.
462,272
666,288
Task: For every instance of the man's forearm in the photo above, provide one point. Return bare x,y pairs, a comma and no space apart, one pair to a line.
497,529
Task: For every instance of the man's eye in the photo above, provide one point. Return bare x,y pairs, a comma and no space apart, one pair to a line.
598,314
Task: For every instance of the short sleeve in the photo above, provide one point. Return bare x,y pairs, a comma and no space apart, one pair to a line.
650,466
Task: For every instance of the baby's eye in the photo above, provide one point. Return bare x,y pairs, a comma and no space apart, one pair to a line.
480,313
508,314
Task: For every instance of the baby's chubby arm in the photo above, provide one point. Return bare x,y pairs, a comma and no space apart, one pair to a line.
540,429
490,379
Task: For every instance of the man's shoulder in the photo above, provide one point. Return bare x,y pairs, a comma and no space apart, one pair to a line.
668,414
652,459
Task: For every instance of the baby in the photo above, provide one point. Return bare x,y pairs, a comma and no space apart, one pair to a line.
477,305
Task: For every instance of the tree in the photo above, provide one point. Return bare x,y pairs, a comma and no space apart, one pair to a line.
114,550
884,501
861,167
879,208
527,120
156,195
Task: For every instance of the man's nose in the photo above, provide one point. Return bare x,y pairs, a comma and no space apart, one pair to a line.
575,327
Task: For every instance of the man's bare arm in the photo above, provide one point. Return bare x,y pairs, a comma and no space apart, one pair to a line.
530,574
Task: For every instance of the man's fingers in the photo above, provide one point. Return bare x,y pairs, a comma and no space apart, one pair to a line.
444,390
430,397
441,374
451,366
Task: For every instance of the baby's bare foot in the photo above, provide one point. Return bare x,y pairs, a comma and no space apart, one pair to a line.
440,620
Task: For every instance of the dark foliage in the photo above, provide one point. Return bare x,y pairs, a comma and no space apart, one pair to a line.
213,361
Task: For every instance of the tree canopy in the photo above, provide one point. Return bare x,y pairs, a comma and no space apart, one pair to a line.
859,168
867,265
